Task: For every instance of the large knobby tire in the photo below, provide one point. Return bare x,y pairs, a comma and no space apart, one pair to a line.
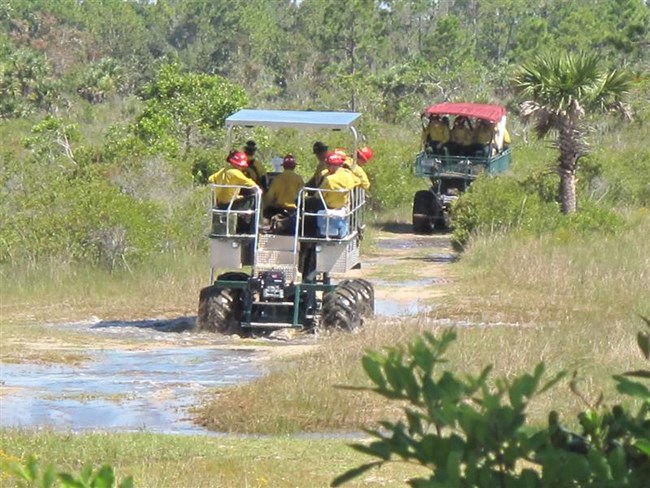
220,308
424,207
340,309
366,295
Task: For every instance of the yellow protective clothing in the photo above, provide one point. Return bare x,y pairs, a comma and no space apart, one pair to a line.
256,170
229,176
284,190
359,172
436,131
341,179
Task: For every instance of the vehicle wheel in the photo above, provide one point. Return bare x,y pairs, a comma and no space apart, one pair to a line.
423,212
443,222
366,295
220,308
340,309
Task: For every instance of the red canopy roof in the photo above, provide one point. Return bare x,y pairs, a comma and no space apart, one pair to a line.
493,113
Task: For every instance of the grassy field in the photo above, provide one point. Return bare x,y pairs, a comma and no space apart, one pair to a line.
573,302
157,461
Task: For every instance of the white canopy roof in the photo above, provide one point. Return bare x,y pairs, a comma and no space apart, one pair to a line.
293,118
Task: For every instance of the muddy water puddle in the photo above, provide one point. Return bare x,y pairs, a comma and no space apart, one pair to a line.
148,390
165,368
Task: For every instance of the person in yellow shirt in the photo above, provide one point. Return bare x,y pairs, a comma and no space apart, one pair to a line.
230,197
337,178
354,168
483,138
255,169
460,137
284,189
334,177
231,175
435,137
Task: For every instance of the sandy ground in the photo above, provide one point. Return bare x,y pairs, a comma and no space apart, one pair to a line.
404,268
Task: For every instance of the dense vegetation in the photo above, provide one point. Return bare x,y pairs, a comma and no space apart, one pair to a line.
111,111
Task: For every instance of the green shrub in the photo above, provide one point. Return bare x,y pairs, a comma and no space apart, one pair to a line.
472,432
507,204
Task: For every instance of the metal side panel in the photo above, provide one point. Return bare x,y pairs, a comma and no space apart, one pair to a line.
337,257
275,242
225,254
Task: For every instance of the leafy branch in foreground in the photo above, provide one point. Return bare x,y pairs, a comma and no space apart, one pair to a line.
472,432
29,474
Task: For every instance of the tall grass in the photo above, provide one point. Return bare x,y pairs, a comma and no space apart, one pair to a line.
167,284
573,303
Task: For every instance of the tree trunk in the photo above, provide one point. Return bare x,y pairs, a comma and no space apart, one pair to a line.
570,145
568,190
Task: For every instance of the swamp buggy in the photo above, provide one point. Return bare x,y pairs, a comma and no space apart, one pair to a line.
451,174
289,284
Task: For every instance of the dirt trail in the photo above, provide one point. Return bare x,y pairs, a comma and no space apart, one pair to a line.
144,374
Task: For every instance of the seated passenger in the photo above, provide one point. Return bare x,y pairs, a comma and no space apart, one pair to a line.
335,177
355,168
435,137
460,137
232,198
284,189
483,138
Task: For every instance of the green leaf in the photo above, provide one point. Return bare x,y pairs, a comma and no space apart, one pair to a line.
68,481
394,377
632,388
49,477
599,465
104,478
32,468
373,370
616,459
353,473
20,471
127,483
639,373
454,462
643,445
643,340
558,377
378,449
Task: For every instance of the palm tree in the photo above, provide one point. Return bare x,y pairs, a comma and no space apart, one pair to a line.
559,91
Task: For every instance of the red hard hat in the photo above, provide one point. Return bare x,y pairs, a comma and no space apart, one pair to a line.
365,154
237,159
289,161
335,159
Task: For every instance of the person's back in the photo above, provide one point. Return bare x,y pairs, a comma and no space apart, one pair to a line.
354,168
339,179
255,169
460,137
285,187
231,175
436,135
320,151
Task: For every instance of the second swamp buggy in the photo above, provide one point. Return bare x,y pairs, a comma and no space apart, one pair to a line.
452,173
268,281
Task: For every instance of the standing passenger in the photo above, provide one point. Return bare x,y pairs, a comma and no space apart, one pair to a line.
320,151
255,170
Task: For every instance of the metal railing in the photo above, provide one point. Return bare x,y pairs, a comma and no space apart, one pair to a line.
331,224
437,165
226,216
